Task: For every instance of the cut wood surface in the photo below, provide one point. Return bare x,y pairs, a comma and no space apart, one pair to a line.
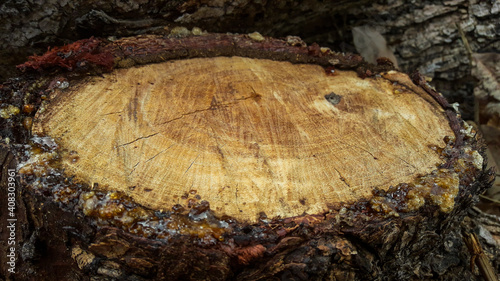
250,136
200,156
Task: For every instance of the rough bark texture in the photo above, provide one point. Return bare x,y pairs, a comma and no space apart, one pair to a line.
423,34
376,239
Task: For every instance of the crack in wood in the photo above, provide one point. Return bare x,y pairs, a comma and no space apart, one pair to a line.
192,163
367,151
342,178
133,168
185,114
359,147
409,164
214,105
116,112
137,139
159,153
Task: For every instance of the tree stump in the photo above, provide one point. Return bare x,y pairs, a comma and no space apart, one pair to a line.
232,157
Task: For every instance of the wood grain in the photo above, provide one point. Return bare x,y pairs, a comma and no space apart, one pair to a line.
248,135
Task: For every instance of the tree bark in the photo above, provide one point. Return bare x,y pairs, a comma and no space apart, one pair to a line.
359,225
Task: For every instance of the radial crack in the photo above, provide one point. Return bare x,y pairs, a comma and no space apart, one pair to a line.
192,164
115,112
135,166
409,164
342,178
185,114
158,153
367,151
359,147
137,139
214,106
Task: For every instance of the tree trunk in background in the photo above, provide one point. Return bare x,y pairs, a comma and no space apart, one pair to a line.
423,34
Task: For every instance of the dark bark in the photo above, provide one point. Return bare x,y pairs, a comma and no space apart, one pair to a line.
352,242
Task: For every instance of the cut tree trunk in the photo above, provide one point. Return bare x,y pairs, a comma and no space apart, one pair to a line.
232,157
